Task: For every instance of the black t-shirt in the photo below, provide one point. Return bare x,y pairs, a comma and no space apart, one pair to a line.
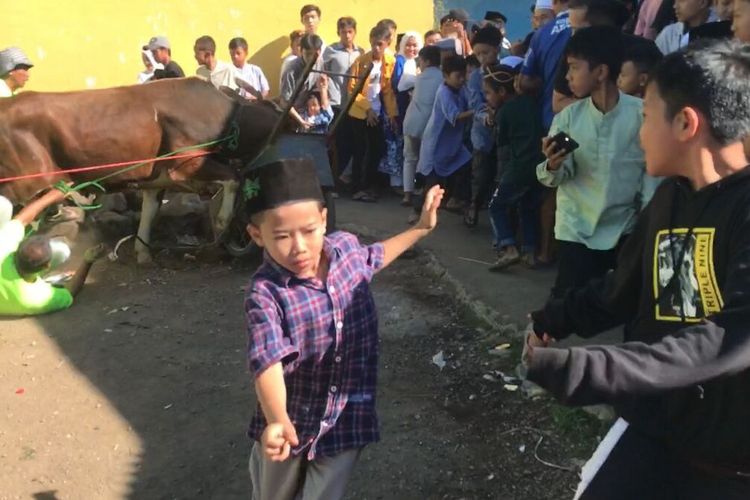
171,70
561,82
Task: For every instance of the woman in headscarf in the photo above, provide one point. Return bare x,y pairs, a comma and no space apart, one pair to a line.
404,78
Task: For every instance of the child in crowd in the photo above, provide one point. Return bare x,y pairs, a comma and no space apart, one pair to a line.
311,46
486,48
518,127
249,72
418,114
638,63
690,14
404,77
219,73
432,37
161,49
601,185
318,114
295,51
312,336
375,102
741,22
443,157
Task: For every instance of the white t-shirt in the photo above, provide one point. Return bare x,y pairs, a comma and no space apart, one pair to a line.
374,87
253,75
223,75
5,90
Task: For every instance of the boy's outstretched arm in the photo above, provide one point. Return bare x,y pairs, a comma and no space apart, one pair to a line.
280,435
400,243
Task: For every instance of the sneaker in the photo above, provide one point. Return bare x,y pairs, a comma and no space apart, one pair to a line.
505,259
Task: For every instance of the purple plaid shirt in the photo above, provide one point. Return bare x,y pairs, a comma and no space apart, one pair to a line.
326,336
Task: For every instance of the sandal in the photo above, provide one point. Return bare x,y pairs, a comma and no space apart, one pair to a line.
406,200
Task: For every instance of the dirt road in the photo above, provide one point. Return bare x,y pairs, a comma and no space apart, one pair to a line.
141,391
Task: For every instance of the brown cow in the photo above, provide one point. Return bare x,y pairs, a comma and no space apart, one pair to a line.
44,132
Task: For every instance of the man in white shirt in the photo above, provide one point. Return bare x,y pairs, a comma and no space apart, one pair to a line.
248,72
219,73
14,71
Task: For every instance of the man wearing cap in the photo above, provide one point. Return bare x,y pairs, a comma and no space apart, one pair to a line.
14,71
162,51
453,25
543,57
22,291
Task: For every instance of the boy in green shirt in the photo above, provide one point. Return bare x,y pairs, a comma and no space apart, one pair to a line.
602,185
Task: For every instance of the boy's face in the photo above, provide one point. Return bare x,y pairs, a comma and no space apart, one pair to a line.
689,10
293,236
455,79
581,78
310,55
724,9
202,56
432,39
239,56
494,98
295,47
660,144
741,22
346,36
378,48
313,106
487,54
20,76
631,81
161,55
311,21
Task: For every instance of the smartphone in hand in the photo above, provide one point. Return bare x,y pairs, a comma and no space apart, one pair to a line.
564,142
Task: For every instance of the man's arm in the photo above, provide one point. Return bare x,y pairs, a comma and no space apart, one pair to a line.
31,211
400,243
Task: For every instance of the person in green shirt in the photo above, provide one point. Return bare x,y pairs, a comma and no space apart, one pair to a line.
602,185
22,261
518,127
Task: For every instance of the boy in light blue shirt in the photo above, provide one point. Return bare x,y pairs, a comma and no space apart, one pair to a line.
603,184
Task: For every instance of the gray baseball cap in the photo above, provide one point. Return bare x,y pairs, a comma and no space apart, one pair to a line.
11,58
159,42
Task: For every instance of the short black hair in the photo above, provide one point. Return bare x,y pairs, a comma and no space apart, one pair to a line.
429,33
713,77
295,35
452,64
500,76
314,94
472,61
644,56
33,255
206,43
598,45
488,35
309,8
311,42
430,55
237,43
346,22
380,32
607,13
390,23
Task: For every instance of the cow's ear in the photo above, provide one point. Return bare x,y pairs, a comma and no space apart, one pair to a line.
254,232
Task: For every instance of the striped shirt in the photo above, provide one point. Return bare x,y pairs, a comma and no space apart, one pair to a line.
326,336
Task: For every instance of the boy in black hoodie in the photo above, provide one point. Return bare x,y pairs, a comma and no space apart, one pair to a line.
681,381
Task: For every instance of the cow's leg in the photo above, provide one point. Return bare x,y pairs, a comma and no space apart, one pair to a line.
148,212
226,211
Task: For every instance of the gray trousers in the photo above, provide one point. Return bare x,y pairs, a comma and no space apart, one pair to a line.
297,478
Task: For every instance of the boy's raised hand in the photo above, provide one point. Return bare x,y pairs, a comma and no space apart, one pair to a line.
277,441
432,201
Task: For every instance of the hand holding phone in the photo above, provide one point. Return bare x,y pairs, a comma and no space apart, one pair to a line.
556,148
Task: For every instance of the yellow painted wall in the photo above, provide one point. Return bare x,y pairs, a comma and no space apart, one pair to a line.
78,44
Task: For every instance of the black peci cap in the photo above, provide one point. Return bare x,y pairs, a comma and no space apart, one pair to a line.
279,183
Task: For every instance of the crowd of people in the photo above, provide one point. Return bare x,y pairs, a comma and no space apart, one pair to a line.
617,123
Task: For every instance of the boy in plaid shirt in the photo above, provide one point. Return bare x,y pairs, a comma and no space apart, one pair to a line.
313,339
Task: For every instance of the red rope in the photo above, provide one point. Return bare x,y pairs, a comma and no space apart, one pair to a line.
102,167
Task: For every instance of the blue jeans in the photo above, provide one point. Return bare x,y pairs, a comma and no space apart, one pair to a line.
525,200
